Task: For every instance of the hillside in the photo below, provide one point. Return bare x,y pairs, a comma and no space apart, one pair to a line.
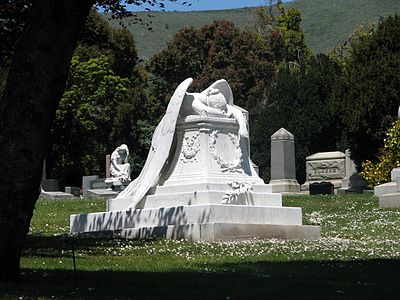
325,22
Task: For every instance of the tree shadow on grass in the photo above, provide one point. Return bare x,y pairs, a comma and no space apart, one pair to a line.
51,246
361,279
358,279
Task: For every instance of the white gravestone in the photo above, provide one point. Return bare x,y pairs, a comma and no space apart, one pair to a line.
392,199
388,187
198,181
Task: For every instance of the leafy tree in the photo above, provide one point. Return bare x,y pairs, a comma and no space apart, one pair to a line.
12,18
98,111
104,78
85,117
34,87
366,97
298,97
218,50
280,29
98,37
298,100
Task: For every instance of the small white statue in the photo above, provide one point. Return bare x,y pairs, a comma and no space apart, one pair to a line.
216,100
119,167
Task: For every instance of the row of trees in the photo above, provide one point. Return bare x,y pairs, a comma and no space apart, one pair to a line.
346,99
110,98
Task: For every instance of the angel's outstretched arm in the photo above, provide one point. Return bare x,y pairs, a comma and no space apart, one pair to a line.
237,114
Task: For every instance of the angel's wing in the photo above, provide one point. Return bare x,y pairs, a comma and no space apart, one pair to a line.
223,86
159,150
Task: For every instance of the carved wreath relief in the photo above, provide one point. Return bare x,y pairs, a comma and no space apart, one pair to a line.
234,166
191,146
240,193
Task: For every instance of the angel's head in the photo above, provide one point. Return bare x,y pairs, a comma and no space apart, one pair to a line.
123,150
215,99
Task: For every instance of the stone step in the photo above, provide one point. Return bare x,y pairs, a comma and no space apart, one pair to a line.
209,197
224,231
202,185
196,198
389,200
386,188
181,215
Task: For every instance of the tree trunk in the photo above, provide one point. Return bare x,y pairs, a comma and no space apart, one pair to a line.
34,88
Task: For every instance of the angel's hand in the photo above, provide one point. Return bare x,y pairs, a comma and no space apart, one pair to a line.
243,132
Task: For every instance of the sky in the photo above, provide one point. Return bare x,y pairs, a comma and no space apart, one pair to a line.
203,5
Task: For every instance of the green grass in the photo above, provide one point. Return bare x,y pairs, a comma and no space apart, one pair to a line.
357,257
325,23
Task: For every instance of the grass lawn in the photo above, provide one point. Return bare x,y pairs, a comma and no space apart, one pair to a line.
358,257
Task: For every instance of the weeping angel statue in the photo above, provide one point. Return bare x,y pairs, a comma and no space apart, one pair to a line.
119,167
216,100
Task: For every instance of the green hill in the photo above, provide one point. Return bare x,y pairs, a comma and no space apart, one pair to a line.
325,22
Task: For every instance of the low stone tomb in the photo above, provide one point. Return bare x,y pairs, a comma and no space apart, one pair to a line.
98,188
73,190
325,166
97,183
86,184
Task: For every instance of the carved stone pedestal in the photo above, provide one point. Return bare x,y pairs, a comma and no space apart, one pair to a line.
210,165
209,191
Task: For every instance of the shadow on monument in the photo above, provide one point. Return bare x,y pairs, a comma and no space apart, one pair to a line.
360,279
128,219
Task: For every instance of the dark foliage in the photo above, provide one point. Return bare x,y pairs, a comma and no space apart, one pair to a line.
212,52
105,104
98,36
367,95
298,101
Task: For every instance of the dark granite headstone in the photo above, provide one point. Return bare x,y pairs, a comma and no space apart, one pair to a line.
50,185
321,188
73,190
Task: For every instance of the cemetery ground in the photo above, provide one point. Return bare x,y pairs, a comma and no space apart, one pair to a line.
357,257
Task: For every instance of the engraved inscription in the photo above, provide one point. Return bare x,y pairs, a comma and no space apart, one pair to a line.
323,170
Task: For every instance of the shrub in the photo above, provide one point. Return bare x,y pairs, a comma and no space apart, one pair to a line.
388,158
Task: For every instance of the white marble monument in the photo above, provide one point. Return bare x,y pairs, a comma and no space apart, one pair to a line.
198,182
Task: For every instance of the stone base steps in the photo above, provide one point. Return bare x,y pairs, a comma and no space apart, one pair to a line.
224,231
389,200
199,222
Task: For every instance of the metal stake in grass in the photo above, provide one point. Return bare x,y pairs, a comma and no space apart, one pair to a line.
71,242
